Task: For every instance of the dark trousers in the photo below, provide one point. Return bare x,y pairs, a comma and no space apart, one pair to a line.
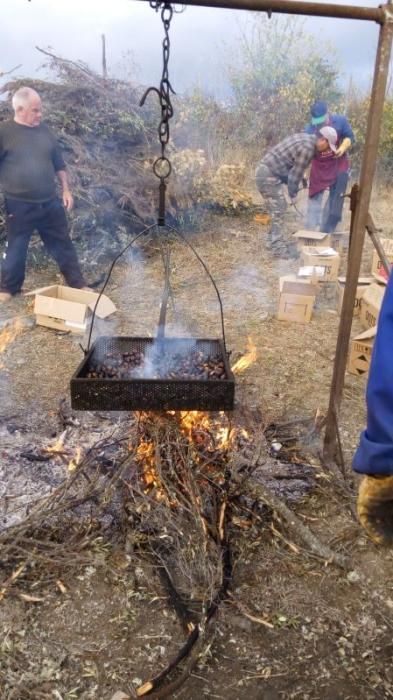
332,211
49,219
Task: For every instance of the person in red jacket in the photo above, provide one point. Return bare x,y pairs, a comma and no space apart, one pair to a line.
328,173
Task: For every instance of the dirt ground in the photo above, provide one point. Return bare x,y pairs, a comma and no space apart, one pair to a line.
108,627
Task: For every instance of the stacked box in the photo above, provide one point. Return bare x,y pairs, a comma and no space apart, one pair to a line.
376,264
363,283
305,238
328,258
360,351
371,305
297,298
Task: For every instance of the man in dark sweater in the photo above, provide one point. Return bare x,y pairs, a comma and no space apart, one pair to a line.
30,160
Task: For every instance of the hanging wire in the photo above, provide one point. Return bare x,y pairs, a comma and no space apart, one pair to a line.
114,261
167,288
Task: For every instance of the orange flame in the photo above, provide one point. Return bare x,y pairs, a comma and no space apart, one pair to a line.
189,420
193,421
75,461
58,447
150,475
247,359
223,438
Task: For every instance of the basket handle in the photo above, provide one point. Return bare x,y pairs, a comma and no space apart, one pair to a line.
113,263
165,297
210,276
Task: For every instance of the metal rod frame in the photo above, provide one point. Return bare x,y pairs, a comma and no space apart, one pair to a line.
360,218
373,233
361,194
295,7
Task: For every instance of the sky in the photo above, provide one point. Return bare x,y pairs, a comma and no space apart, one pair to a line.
133,32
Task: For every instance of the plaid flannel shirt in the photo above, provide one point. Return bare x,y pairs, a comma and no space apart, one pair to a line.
290,158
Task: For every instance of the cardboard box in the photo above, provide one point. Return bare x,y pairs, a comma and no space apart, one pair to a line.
319,256
297,298
381,276
339,240
360,351
68,309
306,238
376,264
363,283
310,273
371,304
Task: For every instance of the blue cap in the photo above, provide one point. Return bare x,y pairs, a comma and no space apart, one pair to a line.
319,112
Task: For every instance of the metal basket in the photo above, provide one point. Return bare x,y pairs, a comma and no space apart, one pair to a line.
111,394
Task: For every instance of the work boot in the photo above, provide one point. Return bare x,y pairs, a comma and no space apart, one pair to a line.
4,297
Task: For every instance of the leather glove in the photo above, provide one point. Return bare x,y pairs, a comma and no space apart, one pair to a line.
343,147
375,507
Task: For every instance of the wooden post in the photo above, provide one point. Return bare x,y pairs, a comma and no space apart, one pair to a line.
360,218
104,69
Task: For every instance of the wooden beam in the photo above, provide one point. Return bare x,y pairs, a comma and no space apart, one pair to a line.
358,226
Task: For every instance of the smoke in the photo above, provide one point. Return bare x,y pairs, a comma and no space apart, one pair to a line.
247,287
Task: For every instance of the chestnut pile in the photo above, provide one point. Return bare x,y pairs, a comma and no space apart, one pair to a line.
157,364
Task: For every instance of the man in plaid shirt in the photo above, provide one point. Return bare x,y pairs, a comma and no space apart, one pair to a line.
286,164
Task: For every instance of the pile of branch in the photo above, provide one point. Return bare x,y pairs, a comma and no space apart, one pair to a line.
175,488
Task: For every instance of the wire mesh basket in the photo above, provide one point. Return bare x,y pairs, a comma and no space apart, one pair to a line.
203,392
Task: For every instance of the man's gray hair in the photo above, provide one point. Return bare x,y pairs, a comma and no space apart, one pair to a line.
22,97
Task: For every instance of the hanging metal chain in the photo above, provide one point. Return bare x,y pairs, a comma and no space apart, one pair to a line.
162,167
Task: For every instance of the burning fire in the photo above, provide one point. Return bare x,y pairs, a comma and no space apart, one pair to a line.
146,458
210,437
75,460
9,333
193,423
59,449
247,359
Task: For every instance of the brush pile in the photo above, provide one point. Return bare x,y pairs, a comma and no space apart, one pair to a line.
162,493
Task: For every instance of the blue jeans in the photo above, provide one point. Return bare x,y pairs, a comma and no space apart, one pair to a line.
331,215
314,211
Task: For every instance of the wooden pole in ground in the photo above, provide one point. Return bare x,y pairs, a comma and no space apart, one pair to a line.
360,218
103,54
